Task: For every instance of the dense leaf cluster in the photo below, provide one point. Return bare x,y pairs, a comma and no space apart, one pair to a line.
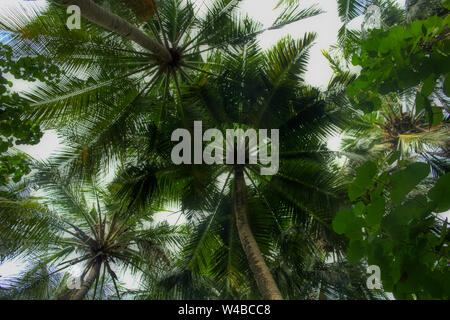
392,224
119,102
14,130
402,58
394,220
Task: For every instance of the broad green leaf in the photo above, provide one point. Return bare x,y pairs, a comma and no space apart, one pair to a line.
438,116
440,193
363,180
402,182
428,85
341,221
395,156
415,208
356,251
446,4
354,227
420,102
375,211
347,222
397,232
356,60
359,208
396,271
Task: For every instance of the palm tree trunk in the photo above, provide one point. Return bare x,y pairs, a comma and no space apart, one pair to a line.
112,22
264,280
79,294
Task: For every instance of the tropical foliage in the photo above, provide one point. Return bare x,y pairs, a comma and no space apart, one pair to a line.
116,89
82,226
13,129
399,234
394,219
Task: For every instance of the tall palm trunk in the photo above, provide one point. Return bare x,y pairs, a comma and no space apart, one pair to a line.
264,280
79,294
112,22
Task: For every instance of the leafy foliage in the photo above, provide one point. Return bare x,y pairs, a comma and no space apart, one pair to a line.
394,219
392,224
348,10
402,58
116,106
15,130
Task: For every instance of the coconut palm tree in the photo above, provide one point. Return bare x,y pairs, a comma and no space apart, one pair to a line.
396,130
111,73
172,38
82,227
34,283
237,212
211,33
123,103
37,281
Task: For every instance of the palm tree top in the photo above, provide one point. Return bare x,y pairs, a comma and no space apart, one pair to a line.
83,227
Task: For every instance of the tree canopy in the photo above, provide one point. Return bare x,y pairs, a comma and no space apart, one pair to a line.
117,89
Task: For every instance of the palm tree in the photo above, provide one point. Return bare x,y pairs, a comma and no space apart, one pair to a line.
108,78
33,283
174,37
38,281
119,103
217,30
396,131
83,227
112,22
267,93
